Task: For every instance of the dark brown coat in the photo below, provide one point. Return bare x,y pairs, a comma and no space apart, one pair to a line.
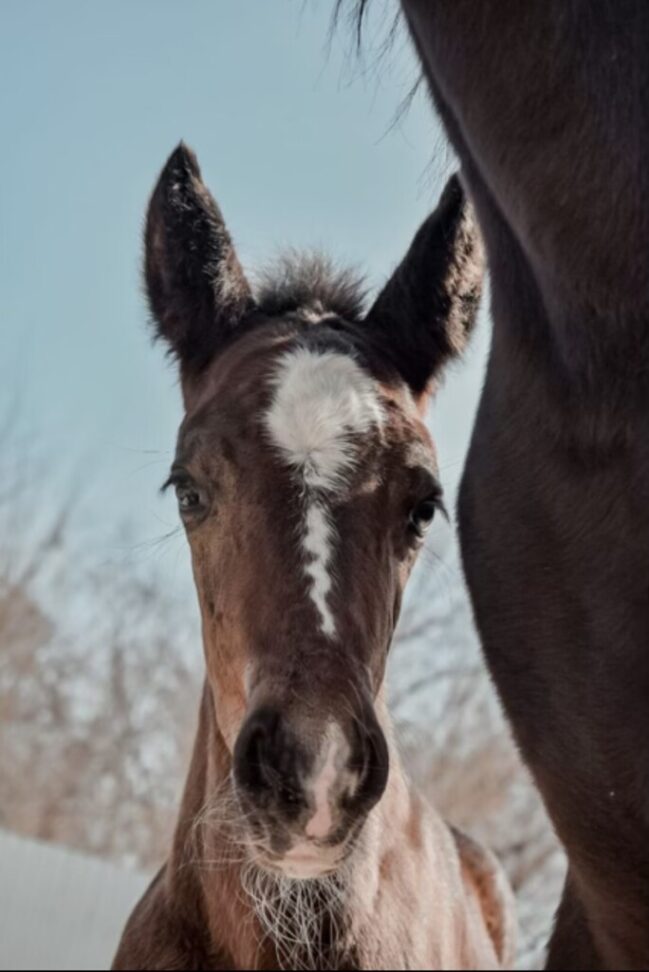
547,105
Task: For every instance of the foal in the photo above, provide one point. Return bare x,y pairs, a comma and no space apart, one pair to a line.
306,481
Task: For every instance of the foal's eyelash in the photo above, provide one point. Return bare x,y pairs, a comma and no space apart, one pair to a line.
437,497
177,477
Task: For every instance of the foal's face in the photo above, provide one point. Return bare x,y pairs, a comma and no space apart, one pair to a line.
306,481
306,486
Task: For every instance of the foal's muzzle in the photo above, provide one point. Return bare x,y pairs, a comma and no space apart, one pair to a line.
311,789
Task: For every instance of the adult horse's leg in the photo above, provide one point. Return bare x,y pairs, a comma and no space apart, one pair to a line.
547,103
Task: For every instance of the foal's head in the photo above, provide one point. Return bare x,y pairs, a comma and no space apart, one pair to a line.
306,481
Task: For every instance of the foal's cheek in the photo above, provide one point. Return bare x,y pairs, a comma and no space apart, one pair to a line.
404,571
230,712
225,655
226,672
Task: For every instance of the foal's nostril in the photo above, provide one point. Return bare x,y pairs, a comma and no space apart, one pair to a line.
371,762
258,741
266,759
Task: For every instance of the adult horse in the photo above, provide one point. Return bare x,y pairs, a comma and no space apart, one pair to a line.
547,105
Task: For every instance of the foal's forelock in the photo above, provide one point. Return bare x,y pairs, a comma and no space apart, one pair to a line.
324,407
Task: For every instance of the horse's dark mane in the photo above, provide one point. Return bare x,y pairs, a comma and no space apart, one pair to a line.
311,282
357,15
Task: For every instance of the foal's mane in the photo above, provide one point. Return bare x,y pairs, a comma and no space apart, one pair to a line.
310,282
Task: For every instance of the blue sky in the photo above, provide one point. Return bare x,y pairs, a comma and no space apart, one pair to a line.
296,142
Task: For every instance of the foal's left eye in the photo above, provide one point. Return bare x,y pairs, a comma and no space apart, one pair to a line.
422,516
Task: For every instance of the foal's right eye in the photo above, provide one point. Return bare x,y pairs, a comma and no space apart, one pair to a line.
189,499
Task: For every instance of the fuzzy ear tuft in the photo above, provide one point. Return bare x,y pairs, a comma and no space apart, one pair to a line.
196,288
424,315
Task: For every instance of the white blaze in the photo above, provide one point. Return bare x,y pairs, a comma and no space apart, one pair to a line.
321,822
326,783
318,543
323,403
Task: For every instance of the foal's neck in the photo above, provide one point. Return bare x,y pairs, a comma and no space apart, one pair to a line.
238,903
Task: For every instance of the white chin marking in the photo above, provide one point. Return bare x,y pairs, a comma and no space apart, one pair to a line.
323,406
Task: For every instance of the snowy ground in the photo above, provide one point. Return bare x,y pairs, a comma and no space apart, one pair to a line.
58,909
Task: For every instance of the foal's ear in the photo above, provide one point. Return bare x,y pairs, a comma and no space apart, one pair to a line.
425,314
196,288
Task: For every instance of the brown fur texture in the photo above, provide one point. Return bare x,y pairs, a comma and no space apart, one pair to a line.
546,103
